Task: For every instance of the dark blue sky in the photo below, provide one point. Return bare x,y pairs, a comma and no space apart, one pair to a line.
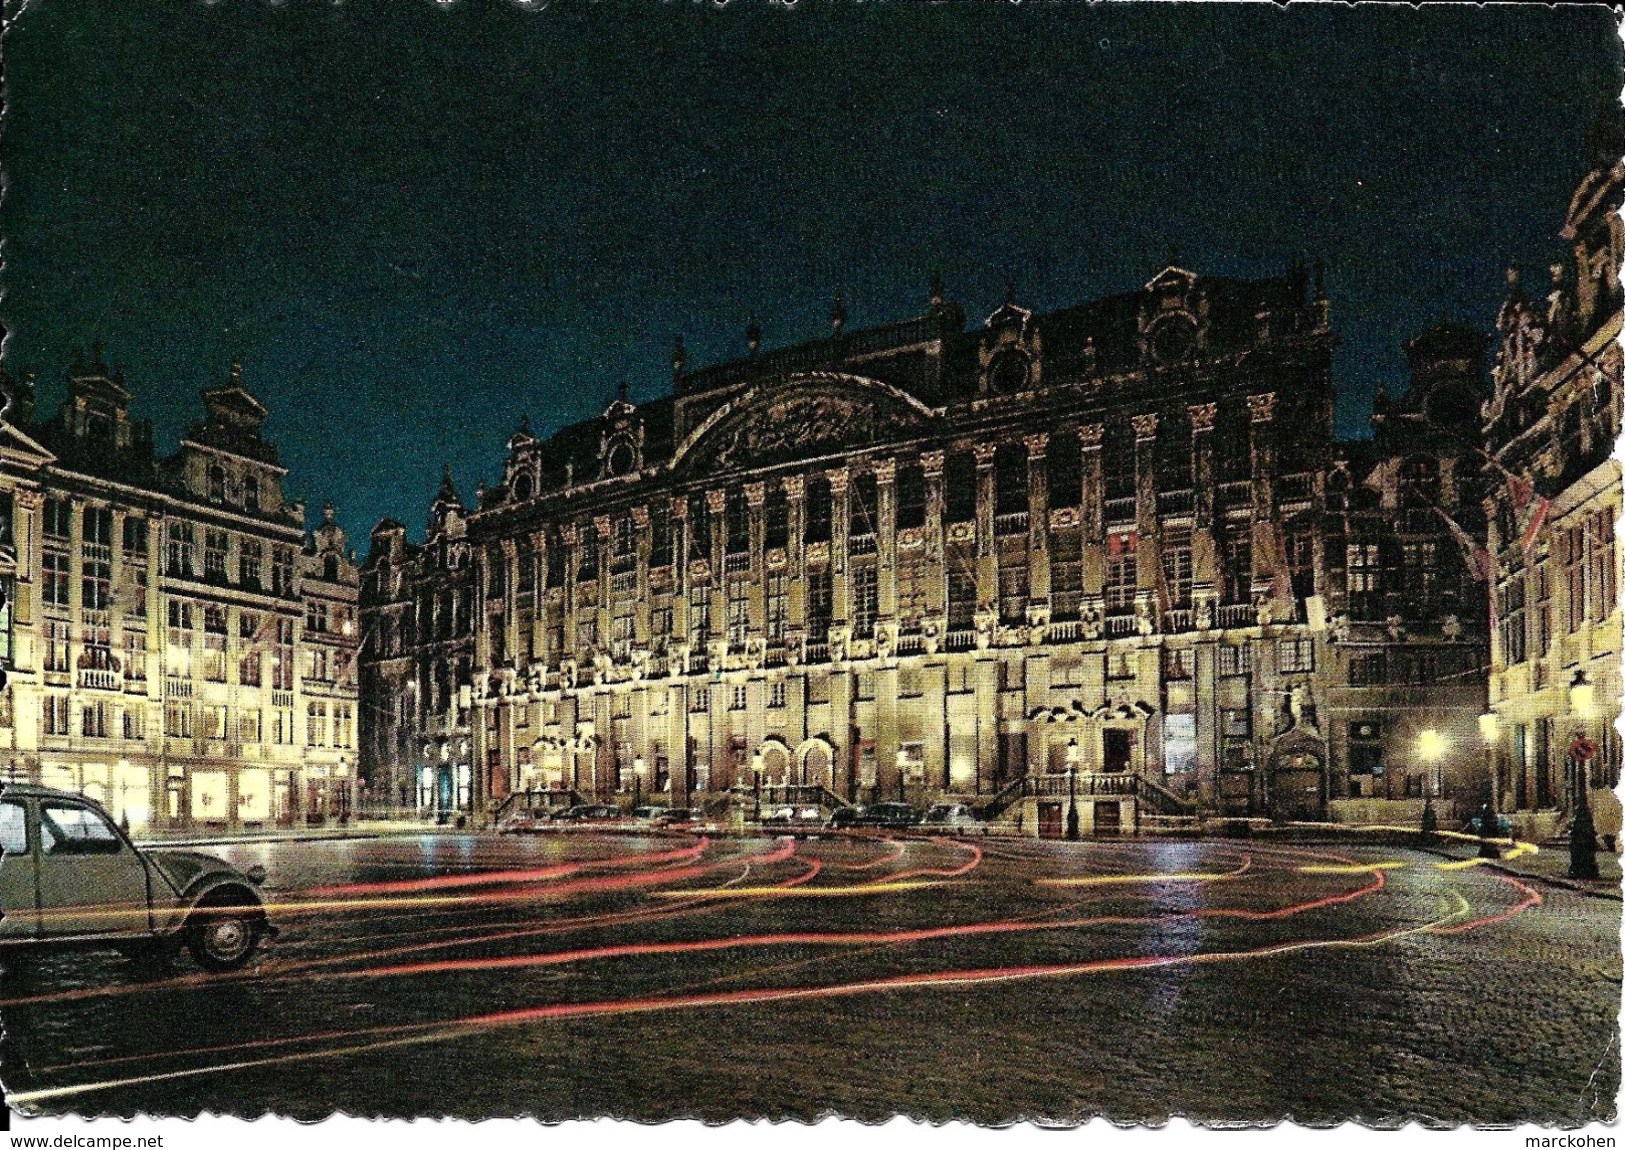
412,222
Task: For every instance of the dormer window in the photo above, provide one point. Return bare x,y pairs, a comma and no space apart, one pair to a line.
522,486
217,483
622,459
251,493
1008,374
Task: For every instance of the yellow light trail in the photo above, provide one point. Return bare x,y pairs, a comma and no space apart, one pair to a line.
1152,877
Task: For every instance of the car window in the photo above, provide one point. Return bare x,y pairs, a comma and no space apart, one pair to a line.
13,829
74,830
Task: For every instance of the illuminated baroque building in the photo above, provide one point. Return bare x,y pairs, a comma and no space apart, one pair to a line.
1551,426
174,645
1078,553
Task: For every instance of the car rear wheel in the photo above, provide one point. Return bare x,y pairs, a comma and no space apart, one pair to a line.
223,938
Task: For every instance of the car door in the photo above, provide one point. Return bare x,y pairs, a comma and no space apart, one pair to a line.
91,881
19,873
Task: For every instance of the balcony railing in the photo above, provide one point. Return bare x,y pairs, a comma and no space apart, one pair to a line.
910,644
1120,510
95,679
1179,619
179,688
960,640
1066,631
1086,784
1237,493
817,652
1119,625
864,544
1237,615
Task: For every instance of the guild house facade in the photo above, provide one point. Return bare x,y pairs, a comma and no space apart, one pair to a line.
1551,426
175,645
1096,559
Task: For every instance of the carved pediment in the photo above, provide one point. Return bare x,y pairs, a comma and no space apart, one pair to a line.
803,416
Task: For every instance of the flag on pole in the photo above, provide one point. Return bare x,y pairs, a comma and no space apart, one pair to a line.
1537,518
1479,563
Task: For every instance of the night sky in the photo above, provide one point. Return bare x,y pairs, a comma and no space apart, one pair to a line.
412,222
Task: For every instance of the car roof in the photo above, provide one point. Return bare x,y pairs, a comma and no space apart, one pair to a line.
35,791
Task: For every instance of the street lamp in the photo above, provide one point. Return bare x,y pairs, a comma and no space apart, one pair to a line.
1073,751
1431,746
1489,728
902,769
1582,830
638,767
757,765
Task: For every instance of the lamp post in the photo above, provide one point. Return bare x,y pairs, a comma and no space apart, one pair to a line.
1431,746
902,770
638,767
757,765
1582,830
1072,753
1489,729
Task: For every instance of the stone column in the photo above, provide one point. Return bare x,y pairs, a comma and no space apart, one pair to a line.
570,537
936,572
601,540
510,601
756,499
1267,550
795,495
1205,558
840,520
1147,554
987,572
886,538
1037,521
644,545
716,502
679,571
1092,514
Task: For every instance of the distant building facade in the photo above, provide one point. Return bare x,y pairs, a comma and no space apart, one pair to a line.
174,646
1551,427
1073,558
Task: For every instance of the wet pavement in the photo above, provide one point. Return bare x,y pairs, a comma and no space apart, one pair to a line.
657,976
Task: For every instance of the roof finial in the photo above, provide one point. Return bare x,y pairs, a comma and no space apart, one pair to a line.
1514,282
327,511
837,313
936,287
620,391
524,421
678,355
1173,255
1320,278
753,334
1010,290
236,374
97,362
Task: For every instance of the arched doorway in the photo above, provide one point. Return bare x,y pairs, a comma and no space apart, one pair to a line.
817,758
1296,778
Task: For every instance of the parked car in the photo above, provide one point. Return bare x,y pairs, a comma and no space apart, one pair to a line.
892,815
846,817
674,817
521,822
951,816
70,877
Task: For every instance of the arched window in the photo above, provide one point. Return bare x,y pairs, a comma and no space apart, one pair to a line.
251,493
217,483
522,486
